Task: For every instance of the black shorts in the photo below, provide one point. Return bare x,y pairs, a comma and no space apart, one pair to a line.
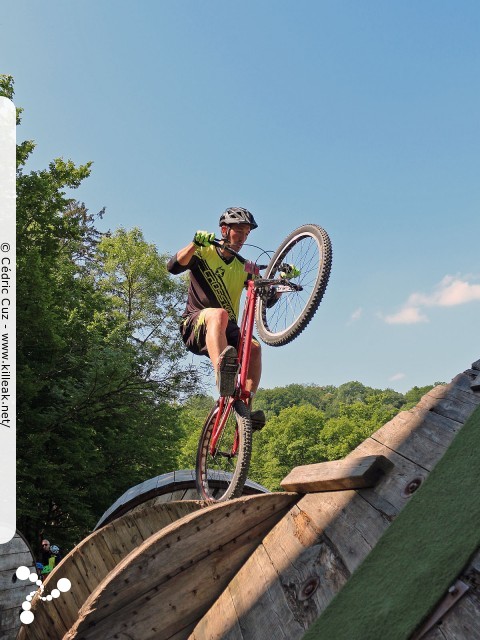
194,332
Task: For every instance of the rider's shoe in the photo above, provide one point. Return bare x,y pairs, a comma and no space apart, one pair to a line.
227,371
258,420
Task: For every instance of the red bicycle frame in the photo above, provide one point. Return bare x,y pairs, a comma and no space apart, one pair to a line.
244,350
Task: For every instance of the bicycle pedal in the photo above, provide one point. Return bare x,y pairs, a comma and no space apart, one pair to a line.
258,420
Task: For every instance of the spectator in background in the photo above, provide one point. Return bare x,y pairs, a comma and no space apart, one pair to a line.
45,552
55,550
50,556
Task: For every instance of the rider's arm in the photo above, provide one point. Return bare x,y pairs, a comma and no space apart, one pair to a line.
180,261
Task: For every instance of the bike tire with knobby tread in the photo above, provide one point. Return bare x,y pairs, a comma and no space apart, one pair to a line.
286,335
217,485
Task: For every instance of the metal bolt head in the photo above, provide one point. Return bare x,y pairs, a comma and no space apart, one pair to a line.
412,486
308,588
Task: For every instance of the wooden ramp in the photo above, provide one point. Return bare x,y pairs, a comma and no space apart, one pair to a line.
93,559
311,554
13,554
263,566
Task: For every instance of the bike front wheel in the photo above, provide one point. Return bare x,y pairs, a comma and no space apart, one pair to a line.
221,470
309,249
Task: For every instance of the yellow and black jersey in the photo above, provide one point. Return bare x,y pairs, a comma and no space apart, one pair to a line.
214,281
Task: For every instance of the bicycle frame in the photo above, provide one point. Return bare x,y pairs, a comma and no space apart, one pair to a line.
244,350
244,347
225,445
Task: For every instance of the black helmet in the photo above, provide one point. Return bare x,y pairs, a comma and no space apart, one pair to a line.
238,215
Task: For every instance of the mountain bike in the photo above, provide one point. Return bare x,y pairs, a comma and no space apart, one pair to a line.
281,303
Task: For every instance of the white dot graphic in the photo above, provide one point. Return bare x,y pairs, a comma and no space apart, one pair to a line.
26,617
23,573
64,584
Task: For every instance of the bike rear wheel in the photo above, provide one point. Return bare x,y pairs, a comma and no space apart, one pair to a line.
221,474
310,250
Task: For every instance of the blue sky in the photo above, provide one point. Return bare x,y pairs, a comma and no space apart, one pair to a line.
360,116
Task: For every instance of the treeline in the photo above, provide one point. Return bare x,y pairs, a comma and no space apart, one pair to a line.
305,424
105,396
100,369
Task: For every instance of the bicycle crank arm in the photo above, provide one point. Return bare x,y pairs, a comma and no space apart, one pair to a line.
225,454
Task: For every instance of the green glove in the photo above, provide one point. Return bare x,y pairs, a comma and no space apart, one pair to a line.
203,238
291,271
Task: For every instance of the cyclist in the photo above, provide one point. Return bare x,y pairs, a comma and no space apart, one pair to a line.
210,321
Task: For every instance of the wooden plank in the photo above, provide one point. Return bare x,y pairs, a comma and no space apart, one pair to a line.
184,633
177,495
352,473
169,512
191,494
65,608
416,437
464,380
9,623
10,582
393,490
15,545
224,624
209,546
452,402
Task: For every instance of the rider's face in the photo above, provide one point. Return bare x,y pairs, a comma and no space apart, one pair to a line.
238,235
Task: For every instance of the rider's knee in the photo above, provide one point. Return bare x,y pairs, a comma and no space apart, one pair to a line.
217,317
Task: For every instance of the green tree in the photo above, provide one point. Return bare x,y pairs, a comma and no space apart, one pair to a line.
193,414
290,439
95,392
304,434
272,401
147,304
415,394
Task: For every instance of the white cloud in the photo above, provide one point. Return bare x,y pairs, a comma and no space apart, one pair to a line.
407,315
449,292
356,315
397,376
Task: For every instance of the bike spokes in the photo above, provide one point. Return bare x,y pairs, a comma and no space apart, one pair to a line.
224,451
309,250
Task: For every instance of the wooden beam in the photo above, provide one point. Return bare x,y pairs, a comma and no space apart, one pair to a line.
351,473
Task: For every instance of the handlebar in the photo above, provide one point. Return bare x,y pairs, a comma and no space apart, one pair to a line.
255,268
